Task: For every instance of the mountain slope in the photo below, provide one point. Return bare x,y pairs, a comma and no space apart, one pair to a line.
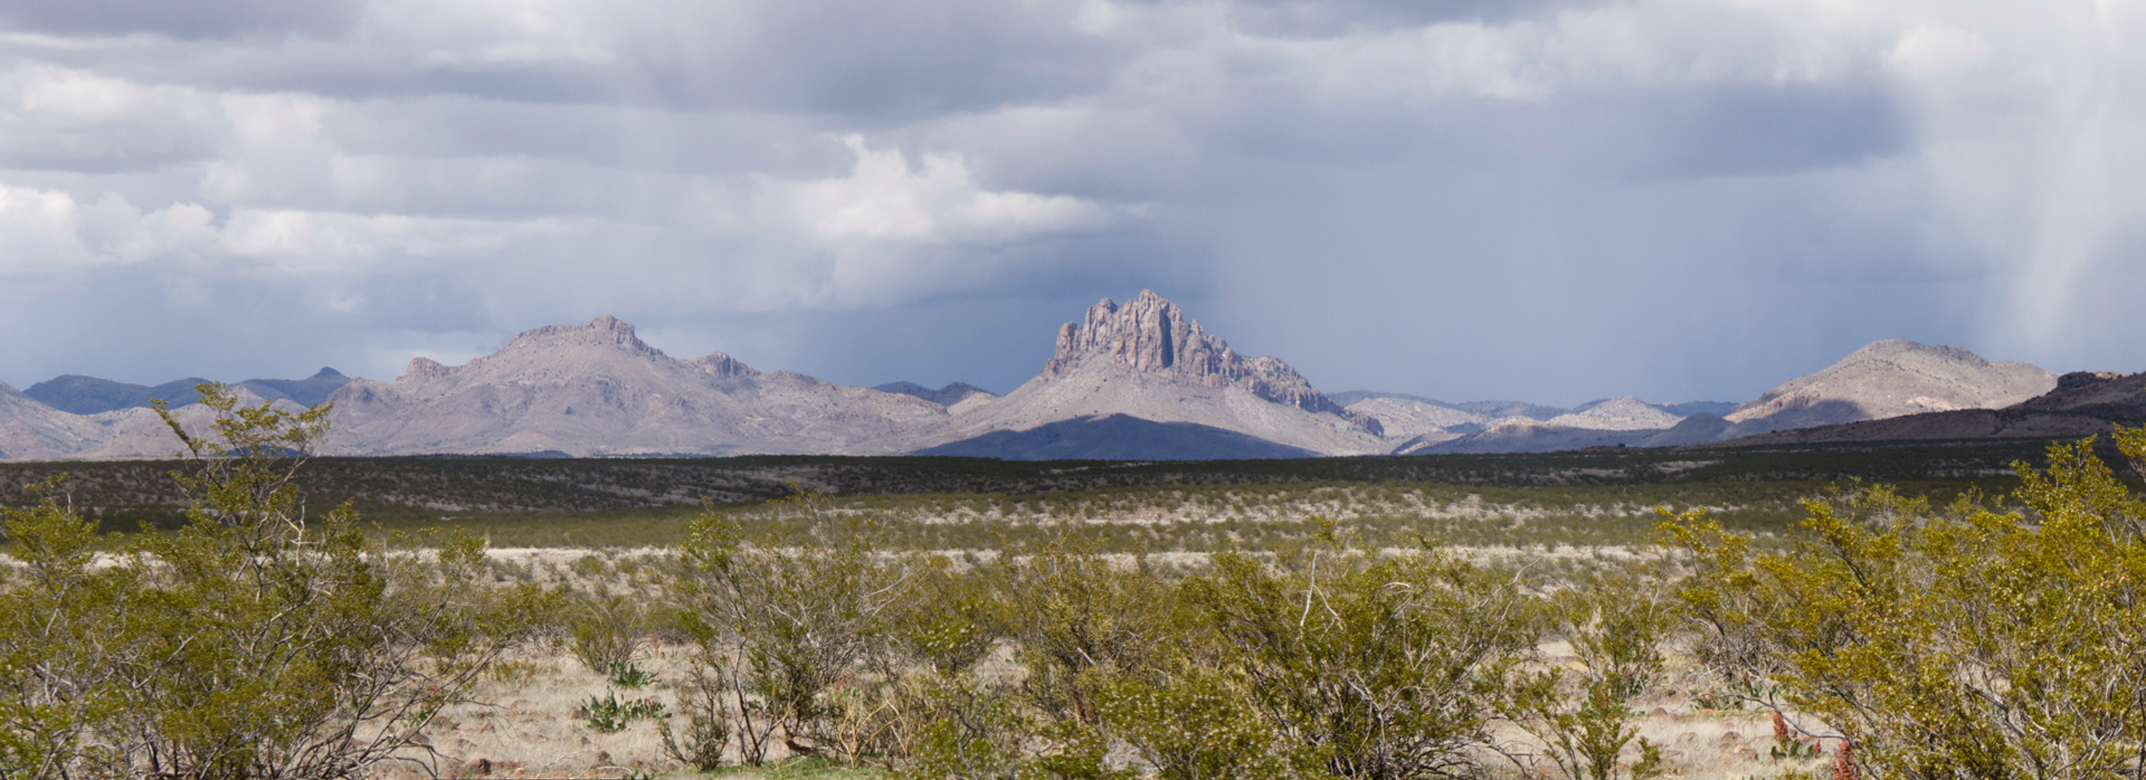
597,389
30,430
1118,437
77,394
1890,378
1404,417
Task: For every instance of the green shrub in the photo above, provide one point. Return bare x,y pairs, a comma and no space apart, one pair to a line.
1952,642
708,726
1584,718
1192,724
254,641
605,630
1372,667
785,625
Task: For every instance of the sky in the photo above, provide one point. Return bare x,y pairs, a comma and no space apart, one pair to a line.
1538,200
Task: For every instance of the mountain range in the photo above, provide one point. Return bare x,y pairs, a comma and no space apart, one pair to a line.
1137,381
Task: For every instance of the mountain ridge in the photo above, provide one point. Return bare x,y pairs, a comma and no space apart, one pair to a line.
1141,372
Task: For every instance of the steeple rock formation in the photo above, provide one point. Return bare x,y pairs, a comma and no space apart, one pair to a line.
1147,361
1151,335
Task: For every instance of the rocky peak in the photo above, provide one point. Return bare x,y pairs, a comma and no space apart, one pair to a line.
604,331
1148,333
1151,335
424,368
723,366
1894,348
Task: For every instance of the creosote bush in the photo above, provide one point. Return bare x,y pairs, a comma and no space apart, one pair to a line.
255,641
1947,642
1369,666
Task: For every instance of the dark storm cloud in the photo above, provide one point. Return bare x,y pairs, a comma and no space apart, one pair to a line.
1326,18
811,56
1552,201
193,19
1761,130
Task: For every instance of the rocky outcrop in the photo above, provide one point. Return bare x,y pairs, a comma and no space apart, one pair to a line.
2104,395
722,366
1149,334
2082,379
424,369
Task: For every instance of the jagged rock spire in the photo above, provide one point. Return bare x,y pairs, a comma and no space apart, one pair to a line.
1152,335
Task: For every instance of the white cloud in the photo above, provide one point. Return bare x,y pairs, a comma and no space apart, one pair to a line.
305,242
492,33
895,233
37,231
64,117
45,232
118,229
883,200
1930,49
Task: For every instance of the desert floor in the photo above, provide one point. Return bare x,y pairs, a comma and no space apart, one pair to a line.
526,723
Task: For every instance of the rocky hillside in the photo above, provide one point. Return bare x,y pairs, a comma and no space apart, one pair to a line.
2081,404
30,430
597,389
1890,378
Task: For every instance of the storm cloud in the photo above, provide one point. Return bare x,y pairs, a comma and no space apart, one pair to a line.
1550,201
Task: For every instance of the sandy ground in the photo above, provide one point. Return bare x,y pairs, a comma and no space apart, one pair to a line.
526,725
